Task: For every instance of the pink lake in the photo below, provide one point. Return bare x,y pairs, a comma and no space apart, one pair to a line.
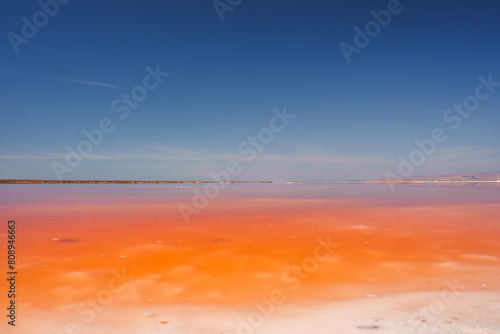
259,258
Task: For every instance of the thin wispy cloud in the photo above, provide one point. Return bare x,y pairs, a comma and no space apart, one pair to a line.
7,69
4,68
91,83
469,153
163,152
166,153
32,156
164,149
163,161
462,159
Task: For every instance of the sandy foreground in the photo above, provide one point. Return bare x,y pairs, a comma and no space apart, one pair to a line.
446,311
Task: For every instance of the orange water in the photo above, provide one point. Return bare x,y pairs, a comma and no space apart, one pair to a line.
251,241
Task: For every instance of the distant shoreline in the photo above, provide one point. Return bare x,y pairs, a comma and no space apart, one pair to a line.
414,181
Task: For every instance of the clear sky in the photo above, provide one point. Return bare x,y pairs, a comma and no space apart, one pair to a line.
353,120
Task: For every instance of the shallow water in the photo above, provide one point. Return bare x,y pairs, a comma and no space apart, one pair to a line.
91,253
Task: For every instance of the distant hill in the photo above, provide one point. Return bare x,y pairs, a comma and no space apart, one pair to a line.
479,176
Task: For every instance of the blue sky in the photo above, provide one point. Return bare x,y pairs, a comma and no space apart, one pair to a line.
354,120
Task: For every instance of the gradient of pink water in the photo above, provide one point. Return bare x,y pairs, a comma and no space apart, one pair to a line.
250,240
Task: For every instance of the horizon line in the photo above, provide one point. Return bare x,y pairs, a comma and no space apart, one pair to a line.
414,180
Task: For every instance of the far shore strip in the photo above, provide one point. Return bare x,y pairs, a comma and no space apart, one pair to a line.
409,181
